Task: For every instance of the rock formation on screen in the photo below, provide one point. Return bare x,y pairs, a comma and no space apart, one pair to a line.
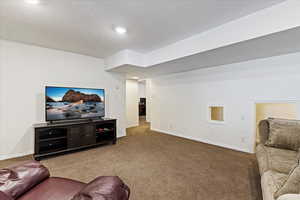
49,99
73,96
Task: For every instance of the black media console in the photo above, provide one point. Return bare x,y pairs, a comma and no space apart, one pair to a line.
54,139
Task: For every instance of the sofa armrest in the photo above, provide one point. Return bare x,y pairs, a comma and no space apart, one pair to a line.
289,197
264,129
3,196
18,179
104,188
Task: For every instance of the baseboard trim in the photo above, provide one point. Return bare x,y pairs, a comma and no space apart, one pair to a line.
203,141
133,126
121,135
16,155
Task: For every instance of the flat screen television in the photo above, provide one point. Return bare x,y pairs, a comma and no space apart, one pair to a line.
65,103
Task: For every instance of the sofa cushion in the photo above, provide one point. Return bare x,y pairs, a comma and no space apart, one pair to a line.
271,181
292,183
280,160
16,180
284,134
54,189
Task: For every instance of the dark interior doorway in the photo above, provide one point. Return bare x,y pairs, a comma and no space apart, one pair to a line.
142,107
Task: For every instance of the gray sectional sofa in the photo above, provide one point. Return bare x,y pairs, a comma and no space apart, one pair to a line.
278,159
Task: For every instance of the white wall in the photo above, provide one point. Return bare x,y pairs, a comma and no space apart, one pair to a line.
25,72
142,89
148,99
179,103
132,103
1,103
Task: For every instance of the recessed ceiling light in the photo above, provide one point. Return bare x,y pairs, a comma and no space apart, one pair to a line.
32,1
120,30
135,78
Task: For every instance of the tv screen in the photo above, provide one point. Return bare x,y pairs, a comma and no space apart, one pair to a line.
63,103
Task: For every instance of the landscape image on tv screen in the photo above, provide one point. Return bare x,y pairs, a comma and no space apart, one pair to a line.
74,103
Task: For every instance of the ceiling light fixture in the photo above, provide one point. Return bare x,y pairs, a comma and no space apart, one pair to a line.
35,2
120,30
135,78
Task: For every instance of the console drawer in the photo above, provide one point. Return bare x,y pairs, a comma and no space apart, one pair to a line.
52,133
54,145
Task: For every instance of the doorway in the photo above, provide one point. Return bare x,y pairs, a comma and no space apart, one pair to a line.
136,106
142,101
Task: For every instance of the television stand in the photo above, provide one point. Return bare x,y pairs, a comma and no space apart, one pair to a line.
69,136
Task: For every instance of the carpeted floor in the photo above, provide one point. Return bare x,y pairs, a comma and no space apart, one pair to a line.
157,166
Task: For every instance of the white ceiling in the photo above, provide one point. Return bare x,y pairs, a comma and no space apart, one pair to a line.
85,26
276,44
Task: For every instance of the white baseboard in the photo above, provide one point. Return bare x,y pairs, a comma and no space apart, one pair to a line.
120,136
15,155
133,125
204,141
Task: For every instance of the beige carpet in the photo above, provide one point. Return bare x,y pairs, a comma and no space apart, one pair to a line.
162,167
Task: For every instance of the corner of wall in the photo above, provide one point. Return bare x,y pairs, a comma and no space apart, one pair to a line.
1,87
148,99
132,102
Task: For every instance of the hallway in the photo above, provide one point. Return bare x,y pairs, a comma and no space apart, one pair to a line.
142,129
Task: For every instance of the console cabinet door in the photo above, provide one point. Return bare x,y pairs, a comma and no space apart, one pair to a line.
81,136
88,136
74,138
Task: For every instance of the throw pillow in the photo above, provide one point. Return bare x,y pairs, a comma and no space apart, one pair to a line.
284,134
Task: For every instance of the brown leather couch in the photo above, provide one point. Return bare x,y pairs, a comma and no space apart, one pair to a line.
31,181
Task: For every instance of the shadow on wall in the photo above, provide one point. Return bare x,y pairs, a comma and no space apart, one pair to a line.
25,141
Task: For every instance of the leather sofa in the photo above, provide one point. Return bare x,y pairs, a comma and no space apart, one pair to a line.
31,181
278,160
